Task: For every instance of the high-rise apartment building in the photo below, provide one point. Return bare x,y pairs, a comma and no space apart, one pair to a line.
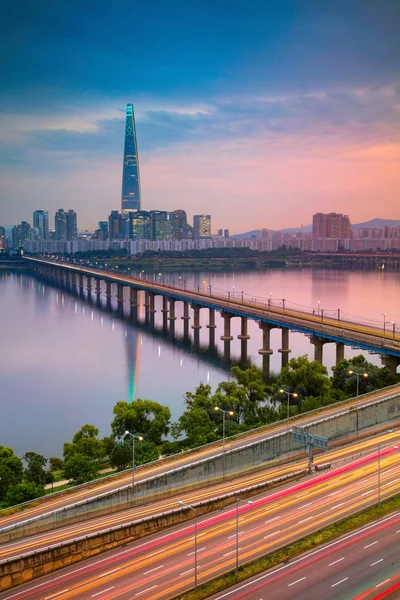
331,225
179,225
131,194
2,238
60,225
103,229
201,226
140,225
72,225
20,233
114,221
160,225
41,223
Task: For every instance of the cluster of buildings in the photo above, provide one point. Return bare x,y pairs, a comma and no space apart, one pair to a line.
135,230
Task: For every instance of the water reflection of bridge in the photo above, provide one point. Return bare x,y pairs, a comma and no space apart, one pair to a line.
321,328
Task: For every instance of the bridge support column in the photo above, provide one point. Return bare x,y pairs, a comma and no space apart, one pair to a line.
391,363
196,324
212,326
67,279
151,308
171,316
120,297
80,279
164,311
243,337
339,352
186,319
89,287
285,350
108,294
266,349
318,348
73,281
133,301
227,338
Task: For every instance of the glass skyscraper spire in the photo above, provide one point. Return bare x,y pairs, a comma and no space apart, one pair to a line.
131,195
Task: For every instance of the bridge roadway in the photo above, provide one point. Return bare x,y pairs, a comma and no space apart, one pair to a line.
321,327
91,490
362,565
91,525
162,566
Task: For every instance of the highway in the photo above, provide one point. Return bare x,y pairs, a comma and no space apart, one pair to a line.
162,566
361,565
91,490
338,457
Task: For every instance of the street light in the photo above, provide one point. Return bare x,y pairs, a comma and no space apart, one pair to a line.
384,326
288,394
237,529
195,539
394,329
134,437
224,412
358,374
318,306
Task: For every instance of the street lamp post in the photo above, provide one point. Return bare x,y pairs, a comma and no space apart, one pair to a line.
224,412
269,301
237,529
384,326
394,329
134,437
288,394
318,306
358,374
195,539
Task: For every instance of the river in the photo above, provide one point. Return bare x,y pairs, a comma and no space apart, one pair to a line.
65,362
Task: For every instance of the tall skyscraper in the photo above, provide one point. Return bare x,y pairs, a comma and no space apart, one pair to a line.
179,225
60,224
131,195
72,225
201,226
160,225
41,222
2,238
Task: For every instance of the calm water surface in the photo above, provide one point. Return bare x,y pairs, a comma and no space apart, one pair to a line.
66,362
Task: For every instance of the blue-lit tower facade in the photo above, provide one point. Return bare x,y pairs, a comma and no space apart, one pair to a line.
131,195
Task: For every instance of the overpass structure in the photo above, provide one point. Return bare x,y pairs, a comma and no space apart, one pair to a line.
322,327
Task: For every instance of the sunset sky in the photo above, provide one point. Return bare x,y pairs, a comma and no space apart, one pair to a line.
258,112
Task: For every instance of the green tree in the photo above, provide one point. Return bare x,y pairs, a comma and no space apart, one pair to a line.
35,471
346,383
198,426
86,443
146,452
11,469
145,417
22,492
120,455
306,378
56,464
79,468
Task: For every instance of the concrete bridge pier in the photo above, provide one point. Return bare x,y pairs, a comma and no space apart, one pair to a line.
151,308
73,281
164,311
266,351
186,319
68,280
120,297
108,294
318,348
171,316
227,338
339,352
243,337
133,301
89,287
196,324
391,363
212,327
285,350
81,286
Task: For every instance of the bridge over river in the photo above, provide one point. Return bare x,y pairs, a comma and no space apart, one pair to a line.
322,327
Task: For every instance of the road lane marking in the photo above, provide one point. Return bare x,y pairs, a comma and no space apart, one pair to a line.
298,581
304,520
341,581
334,493
108,572
336,561
151,570
337,505
270,520
368,492
304,505
372,544
271,534
148,589
199,550
56,594
382,582
231,552
185,572
234,535
103,591
376,562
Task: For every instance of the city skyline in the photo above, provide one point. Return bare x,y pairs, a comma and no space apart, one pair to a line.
293,111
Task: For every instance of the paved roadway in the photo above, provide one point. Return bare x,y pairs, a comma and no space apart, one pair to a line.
162,566
256,308
90,491
361,565
338,457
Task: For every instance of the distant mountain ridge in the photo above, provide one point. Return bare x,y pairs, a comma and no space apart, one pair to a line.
376,223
